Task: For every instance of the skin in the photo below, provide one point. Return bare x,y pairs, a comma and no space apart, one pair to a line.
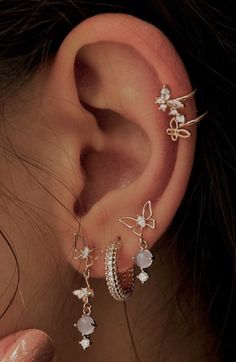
47,124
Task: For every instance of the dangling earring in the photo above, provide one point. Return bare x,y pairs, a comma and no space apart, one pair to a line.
174,106
144,258
86,324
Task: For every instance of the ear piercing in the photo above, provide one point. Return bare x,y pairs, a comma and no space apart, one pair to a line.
120,286
144,258
174,107
86,324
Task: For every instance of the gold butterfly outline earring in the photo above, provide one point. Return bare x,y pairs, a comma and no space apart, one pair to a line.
144,258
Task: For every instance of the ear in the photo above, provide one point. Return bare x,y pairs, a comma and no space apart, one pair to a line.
104,79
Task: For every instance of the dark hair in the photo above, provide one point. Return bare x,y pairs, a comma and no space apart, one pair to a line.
203,231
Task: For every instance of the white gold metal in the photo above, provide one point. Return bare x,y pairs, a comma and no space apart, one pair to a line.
120,285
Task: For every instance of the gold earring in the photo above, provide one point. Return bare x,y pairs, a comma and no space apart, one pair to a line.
178,120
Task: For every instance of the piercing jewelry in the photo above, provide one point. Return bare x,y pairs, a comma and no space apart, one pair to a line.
86,324
144,258
120,285
178,120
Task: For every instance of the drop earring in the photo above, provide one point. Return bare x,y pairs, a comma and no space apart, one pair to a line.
174,107
86,324
144,258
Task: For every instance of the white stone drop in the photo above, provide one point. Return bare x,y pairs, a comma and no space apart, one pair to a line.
143,259
86,325
85,343
141,221
143,277
180,118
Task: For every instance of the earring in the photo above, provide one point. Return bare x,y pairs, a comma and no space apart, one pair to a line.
86,324
178,120
120,285
144,258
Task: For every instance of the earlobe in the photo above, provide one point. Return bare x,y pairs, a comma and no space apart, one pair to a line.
111,68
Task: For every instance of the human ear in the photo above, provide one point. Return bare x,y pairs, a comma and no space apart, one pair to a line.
104,79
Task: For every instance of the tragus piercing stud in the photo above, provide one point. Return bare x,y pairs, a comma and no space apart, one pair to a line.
174,106
86,324
144,258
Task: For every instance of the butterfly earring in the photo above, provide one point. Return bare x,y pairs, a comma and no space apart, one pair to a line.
86,324
144,258
178,120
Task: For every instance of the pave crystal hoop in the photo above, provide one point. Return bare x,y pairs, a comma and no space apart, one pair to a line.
120,285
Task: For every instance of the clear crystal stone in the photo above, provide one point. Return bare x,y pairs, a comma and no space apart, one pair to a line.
141,221
83,292
85,252
173,112
180,118
143,258
85,343
143,277
165,93
174,103
163,107
86,325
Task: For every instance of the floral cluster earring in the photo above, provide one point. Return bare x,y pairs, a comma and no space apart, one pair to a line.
144,258
86,324
174,106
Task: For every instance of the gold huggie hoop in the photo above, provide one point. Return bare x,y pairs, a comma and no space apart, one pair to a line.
120,285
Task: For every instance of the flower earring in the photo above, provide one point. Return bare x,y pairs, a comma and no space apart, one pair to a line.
174,107
86,324
144,258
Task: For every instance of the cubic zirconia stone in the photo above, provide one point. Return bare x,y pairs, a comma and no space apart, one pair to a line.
174,103
143,259
163,107
85,343
165,93
141,221
85,252
180,118
143,277
86,325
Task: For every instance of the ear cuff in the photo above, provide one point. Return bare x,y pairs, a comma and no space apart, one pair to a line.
174,107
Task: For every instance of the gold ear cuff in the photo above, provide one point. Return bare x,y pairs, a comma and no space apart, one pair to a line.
178,120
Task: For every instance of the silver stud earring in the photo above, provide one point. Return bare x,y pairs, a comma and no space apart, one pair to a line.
174,106
86,324
144,258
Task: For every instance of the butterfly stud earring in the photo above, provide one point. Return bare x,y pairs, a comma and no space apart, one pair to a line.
144,258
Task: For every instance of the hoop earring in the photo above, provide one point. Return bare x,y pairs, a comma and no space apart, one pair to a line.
178,120
120,285
86,324
144,258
